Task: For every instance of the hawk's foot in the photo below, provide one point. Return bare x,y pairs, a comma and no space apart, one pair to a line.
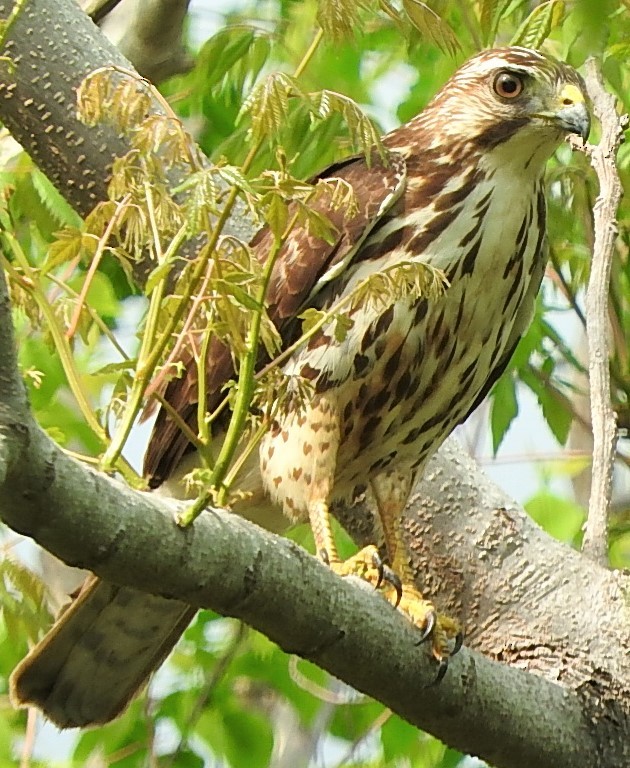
442,632
367,565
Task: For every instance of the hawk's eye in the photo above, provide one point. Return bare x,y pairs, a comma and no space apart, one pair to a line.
508,85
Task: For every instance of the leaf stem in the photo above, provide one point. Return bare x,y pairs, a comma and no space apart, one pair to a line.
145,365
96,260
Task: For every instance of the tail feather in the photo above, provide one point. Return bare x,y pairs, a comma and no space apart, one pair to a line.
99,654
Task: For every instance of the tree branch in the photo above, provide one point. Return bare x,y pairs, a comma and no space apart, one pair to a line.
38,105
527,600
150,34
227,564
602,414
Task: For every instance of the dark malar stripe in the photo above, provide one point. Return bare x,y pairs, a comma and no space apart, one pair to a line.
501,132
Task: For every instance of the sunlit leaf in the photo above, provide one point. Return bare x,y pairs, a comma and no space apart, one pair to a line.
341,18
432,26
56,205
538,25
560,517
490,12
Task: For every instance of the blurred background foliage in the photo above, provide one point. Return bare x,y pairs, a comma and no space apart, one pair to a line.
228,697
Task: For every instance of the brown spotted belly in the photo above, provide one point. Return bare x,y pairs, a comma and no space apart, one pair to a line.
388,399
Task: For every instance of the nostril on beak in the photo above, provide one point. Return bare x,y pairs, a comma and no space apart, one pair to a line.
567,101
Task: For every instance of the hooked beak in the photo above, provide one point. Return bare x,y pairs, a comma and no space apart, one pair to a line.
575,119
570,111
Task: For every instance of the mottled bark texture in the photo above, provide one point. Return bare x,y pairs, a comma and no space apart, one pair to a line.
558,622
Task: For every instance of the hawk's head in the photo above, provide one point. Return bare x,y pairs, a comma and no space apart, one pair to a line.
505,93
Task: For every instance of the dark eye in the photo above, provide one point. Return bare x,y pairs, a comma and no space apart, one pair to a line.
508,85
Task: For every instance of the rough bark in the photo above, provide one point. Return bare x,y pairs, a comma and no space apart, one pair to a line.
51,47
558,622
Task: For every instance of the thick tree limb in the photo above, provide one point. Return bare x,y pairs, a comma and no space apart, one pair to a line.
38,83
526,600
52,47
150,34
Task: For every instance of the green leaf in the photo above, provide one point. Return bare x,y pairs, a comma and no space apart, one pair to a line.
111,369
221,52
54,203
310,318
343,324
185,758
156,275
100,295
538,25
248,739
268,105
557,415
399,739
620,551
504,409
277,215
432,26
340,19
364,135
561,518
490,12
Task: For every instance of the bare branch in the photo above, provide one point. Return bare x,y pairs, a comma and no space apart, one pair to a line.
602,415
98,9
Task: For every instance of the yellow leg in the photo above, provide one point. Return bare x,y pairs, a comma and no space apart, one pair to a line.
391,491
324,424
365,564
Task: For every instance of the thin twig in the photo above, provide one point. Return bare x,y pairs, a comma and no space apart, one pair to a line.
98,9
602,414
29,738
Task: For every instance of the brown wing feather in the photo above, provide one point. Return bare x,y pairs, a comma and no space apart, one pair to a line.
300,266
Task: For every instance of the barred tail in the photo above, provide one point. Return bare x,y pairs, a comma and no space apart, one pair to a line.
99,654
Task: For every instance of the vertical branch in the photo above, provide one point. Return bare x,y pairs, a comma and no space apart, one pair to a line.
602,415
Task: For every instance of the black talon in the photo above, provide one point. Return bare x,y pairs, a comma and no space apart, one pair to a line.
440,673
459,641
428,630
323,556
377,562
392,578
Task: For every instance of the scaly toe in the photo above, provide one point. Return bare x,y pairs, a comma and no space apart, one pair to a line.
367,564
